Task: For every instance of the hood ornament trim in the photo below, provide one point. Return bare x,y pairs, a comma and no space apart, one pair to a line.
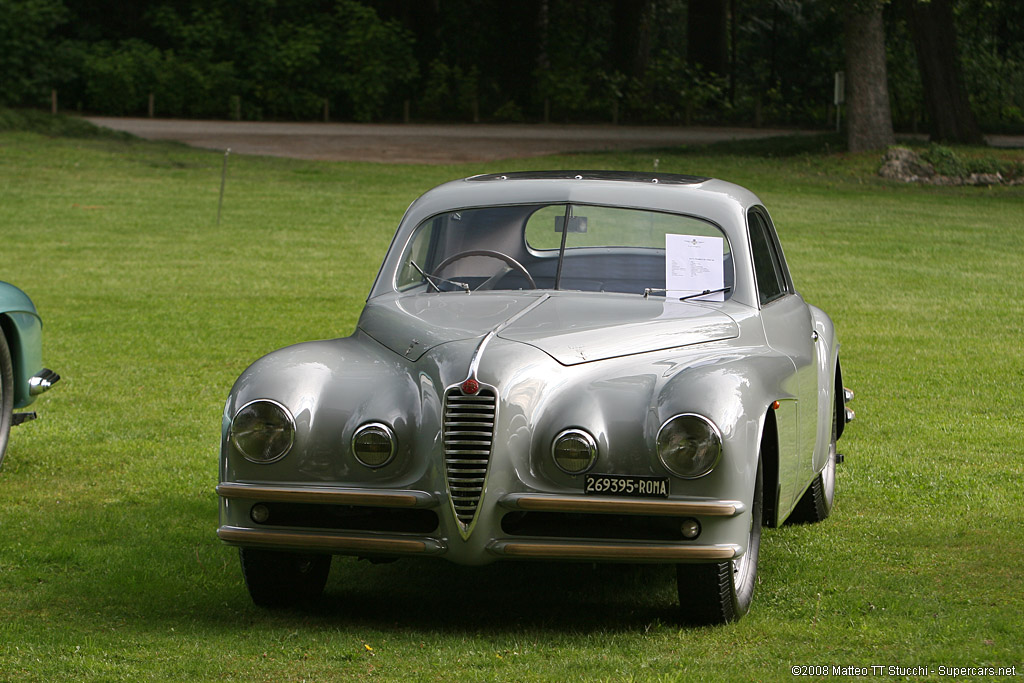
471,387
474,362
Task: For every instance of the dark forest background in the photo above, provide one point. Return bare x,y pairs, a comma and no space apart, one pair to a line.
743,62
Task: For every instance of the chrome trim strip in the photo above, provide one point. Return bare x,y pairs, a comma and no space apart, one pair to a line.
562,550
622,506
42,381
327,495
335,543
474,362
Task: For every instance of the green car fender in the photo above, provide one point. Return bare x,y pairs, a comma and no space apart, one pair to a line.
22,328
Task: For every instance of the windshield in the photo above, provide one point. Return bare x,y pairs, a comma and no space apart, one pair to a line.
605,249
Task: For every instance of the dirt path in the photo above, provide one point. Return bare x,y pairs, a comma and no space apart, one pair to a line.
416,143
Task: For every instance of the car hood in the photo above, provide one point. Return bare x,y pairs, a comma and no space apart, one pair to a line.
571,327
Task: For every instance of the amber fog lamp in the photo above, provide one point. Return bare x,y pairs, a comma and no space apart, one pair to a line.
574,451
689,446
263,431
374,445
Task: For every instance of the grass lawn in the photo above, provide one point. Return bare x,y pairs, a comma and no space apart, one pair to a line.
109,566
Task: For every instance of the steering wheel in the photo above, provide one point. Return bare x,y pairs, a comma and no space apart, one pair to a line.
513,264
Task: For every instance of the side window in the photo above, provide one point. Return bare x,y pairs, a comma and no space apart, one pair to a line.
771,280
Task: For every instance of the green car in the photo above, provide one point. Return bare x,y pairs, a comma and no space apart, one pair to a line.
22,375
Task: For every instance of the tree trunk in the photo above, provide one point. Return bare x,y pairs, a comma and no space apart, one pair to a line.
869,118
631,39
707,41
949,111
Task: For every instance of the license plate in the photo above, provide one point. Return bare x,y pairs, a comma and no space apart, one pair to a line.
623,485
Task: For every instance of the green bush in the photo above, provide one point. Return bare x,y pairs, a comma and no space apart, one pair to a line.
377,59
44,123
27,68
948,163
119,77
450,92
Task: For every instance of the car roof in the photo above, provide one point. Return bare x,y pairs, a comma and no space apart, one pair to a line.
721,202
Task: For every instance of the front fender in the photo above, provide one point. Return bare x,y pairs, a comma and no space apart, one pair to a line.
330,388
23,330
735,392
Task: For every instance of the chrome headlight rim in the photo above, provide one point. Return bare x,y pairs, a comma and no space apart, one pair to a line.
380,428
714,432
289,423
581,435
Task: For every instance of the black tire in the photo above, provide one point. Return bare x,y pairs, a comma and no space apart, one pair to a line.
816,503
282,579
6,395
721,592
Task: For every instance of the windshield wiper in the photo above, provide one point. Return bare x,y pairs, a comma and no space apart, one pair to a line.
429,279
650,290
705,293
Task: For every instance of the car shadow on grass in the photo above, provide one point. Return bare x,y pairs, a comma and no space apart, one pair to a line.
498,597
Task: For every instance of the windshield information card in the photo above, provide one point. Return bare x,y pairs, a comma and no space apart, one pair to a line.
694,264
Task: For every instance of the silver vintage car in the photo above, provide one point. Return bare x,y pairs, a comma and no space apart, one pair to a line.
586,366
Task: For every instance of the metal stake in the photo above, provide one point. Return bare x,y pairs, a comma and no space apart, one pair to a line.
223,177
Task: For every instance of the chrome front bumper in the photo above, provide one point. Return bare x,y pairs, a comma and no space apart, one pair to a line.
523,548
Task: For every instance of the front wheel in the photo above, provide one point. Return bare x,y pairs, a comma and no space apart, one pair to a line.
281,579
721,592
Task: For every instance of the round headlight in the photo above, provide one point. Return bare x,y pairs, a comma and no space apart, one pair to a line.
263,431
689,445
374,444
574,451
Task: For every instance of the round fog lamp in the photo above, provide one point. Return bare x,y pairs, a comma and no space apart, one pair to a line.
373,445
689,445
263,431
574,451
260,513
690,529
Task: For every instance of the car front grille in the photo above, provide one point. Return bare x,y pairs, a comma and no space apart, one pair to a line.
468,434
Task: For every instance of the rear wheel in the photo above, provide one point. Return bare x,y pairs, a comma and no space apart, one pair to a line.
6,395
282,579
721,592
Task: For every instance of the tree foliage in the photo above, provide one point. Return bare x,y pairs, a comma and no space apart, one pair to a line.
767,62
